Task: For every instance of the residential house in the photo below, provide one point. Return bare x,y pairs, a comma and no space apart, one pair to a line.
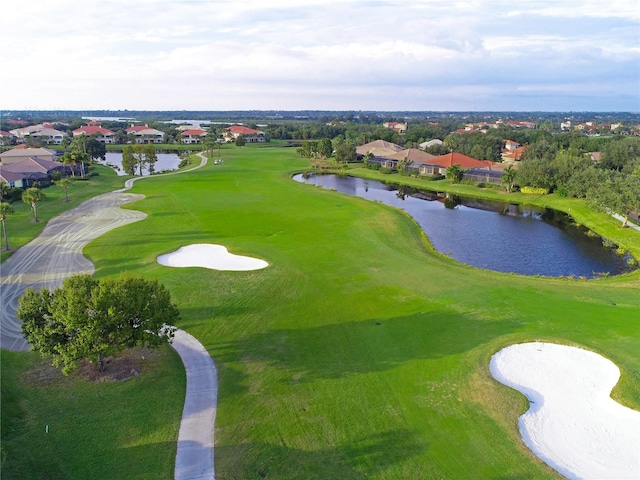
145,134
21,152
36,171
49,136
378,148
431,143
250,135
517,124
6,138
511,145
400,127
515,154
101,134
43,132
413,159
438,165
193,136
13,179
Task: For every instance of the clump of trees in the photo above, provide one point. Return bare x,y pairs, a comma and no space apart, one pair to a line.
137,157
613,183
89,319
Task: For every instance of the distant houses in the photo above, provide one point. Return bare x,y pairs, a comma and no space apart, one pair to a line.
31,172
418,162
249,134
145,134
43,132
101,134
21,152
400,127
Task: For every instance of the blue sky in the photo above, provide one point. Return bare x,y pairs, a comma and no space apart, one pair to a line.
321,55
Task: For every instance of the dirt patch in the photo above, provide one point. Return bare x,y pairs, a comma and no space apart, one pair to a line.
127,364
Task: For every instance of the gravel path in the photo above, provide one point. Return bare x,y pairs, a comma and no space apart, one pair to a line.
57,254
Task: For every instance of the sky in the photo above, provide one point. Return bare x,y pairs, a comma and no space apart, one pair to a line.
395,55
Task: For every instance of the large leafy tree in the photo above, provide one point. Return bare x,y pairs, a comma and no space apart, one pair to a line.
137,156
150,157
617,193
88,319
33,195
96,149
5,209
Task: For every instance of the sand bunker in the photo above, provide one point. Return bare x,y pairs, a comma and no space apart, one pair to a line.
206,255
572,424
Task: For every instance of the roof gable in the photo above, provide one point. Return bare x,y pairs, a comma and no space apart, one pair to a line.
242,130
34,164
92,129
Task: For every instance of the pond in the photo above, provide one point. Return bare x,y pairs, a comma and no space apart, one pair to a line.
495,236
166,161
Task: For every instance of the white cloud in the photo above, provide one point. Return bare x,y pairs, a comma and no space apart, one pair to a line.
202,54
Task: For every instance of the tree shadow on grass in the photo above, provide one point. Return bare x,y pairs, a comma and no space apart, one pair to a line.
371,455
340,350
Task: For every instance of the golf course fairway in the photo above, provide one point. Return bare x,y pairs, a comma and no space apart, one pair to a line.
359,352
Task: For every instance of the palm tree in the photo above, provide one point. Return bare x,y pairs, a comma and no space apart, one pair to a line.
33,195
65,183
5,209
69,159
509,177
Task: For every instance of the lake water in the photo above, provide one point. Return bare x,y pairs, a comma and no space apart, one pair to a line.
491,235
166,161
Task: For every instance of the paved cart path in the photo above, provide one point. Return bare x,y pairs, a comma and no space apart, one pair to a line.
57,254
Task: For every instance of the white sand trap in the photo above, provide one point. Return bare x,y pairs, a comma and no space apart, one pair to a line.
572,424
206,255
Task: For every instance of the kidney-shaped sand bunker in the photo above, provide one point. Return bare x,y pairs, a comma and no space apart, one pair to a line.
207,255
573,424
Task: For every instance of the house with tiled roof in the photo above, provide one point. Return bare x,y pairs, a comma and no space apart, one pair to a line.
456,158
413,158
6,138
145,134
13,179
400,127
100,133
515,154
436,142
511,145
378,148
36,170
43,132
21,152
250,135
192,135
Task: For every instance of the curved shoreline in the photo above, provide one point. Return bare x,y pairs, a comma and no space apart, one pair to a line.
57,254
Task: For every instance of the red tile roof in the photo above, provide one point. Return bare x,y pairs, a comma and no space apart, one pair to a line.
241,130
194,131
459,159
92,129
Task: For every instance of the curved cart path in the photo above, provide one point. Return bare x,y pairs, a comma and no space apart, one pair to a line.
57,254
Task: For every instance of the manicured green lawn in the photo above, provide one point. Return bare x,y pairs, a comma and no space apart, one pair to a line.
359,353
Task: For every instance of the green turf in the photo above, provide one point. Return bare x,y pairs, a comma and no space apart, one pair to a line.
359,353
65,428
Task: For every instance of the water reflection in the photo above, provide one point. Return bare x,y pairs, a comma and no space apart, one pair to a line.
492,235
166,161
